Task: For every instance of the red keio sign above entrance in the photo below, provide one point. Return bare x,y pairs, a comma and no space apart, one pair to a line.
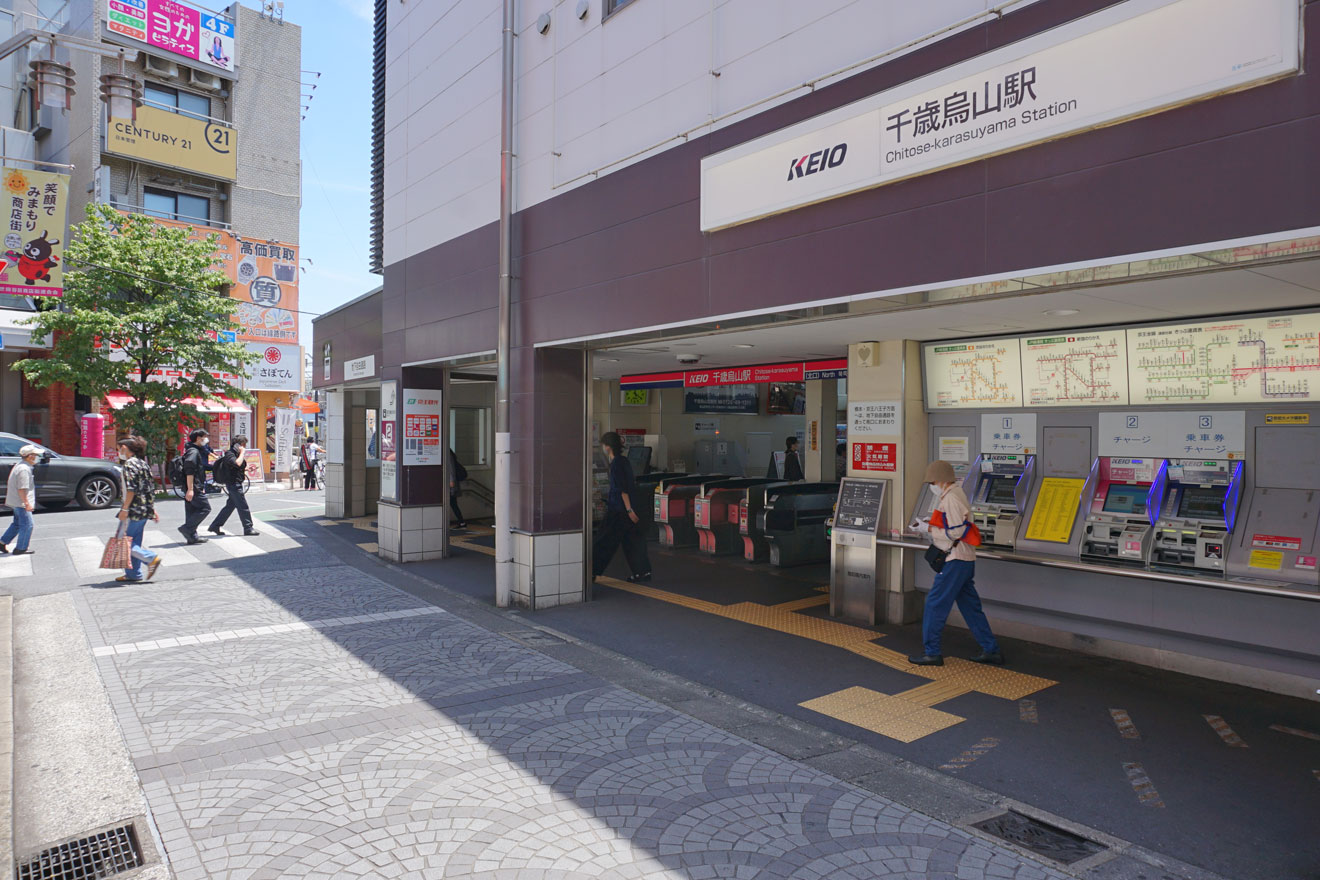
758,374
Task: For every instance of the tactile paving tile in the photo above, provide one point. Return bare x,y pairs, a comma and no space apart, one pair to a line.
934,692
480,548
886,715
803,604
830,632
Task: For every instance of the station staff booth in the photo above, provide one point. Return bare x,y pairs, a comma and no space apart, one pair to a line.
1183,536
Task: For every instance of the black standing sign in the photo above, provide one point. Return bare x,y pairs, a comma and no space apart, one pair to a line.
858,508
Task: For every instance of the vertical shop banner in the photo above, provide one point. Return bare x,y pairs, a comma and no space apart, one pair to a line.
243,426
266,286
175,26
421,427
284,436
389,447
36,203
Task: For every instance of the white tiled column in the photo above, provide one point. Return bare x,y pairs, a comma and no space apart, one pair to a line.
548,569
335,485
410,534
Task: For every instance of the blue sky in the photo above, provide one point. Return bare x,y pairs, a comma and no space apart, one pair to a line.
336,153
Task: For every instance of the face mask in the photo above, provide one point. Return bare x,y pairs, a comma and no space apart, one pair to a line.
934,489
122,456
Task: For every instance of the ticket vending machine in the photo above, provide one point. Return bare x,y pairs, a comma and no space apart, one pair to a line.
855,557
1196,516
1120,527
1002,484
1277,540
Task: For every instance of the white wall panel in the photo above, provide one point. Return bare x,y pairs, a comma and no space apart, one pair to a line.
596,92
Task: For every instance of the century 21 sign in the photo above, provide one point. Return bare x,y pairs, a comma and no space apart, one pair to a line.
162,137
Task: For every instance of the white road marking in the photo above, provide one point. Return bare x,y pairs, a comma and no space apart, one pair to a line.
86,555
236,546
271,629
171,551
17,566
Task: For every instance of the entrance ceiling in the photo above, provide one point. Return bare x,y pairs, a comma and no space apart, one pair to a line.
1278,286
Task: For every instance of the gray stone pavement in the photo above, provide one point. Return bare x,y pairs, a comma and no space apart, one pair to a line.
319,722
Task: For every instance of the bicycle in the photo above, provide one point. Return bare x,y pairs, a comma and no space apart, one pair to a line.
211,487
318,468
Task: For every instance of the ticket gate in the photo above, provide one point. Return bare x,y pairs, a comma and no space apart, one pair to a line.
751,526
1002,484
1120,527
1196,516
793,522
717,514
675,508
644,504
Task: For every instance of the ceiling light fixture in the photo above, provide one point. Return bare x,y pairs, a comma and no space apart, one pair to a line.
1061,313
743,345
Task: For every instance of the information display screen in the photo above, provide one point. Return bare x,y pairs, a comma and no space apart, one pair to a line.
1001,491
1202,502
859,504
1126,499
640,459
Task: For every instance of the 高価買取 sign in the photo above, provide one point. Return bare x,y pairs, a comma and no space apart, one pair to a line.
1127,60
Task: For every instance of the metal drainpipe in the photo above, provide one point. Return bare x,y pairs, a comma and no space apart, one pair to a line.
503,535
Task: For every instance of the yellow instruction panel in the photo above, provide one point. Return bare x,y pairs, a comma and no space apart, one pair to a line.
1056,509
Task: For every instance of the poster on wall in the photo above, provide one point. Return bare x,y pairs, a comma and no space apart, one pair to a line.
389,449
730,399
284,436
32,261
421,427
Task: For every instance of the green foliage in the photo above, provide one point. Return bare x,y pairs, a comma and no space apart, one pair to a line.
139,297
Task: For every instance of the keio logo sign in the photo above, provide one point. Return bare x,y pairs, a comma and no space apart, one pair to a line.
831,157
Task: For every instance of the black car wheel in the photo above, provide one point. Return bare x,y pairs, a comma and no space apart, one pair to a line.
97,492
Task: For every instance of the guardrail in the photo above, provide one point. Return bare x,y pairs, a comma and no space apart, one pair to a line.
1141,574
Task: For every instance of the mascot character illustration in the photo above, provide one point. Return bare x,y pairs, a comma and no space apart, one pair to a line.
35,262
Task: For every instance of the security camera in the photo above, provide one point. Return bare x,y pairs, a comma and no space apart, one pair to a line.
688,358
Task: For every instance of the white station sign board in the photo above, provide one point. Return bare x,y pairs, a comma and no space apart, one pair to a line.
1128,60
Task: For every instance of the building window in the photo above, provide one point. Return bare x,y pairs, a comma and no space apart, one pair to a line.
176,101
613,6
469,434
176,206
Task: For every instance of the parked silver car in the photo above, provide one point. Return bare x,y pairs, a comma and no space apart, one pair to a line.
92,482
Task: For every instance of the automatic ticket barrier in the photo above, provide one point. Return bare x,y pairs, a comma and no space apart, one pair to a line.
793,522
675,508
717,511
751,525
1196,516
646,488
855,556
1003,483
1120,527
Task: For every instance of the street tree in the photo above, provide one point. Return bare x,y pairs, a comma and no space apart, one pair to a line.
140,298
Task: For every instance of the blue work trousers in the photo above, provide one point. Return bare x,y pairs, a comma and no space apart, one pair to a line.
141,554
955,584
21,526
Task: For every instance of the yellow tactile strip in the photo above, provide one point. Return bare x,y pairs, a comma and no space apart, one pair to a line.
900,716
890,716
480,548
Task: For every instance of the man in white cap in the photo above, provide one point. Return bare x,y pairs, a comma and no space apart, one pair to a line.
21,497
954,583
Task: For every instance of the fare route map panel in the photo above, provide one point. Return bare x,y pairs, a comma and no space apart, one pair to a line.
1075,369
1235,360
975,374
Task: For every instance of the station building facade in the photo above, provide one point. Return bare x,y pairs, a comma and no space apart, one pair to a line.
969,218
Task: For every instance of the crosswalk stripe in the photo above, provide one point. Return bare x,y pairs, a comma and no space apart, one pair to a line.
86,555
278,534
15,566
237,547
171,552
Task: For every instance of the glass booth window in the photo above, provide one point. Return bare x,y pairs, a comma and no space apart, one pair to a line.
373,439
470,435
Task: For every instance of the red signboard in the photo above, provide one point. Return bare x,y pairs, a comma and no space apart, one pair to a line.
757,374
875,456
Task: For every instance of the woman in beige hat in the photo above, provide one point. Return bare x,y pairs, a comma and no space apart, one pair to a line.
954,583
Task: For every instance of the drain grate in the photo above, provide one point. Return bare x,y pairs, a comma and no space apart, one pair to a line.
535,638
1053,843
103,854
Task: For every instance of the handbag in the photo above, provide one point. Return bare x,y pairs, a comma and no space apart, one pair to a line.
935,557
118,550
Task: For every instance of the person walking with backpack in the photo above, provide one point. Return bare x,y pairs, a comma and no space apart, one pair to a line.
139,506
457,474
196,505
229,469
21,498
949,524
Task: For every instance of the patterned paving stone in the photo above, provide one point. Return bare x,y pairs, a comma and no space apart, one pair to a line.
427,747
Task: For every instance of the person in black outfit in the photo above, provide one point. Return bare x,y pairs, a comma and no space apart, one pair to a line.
792,463
195,503
620,525
457,474
229,473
